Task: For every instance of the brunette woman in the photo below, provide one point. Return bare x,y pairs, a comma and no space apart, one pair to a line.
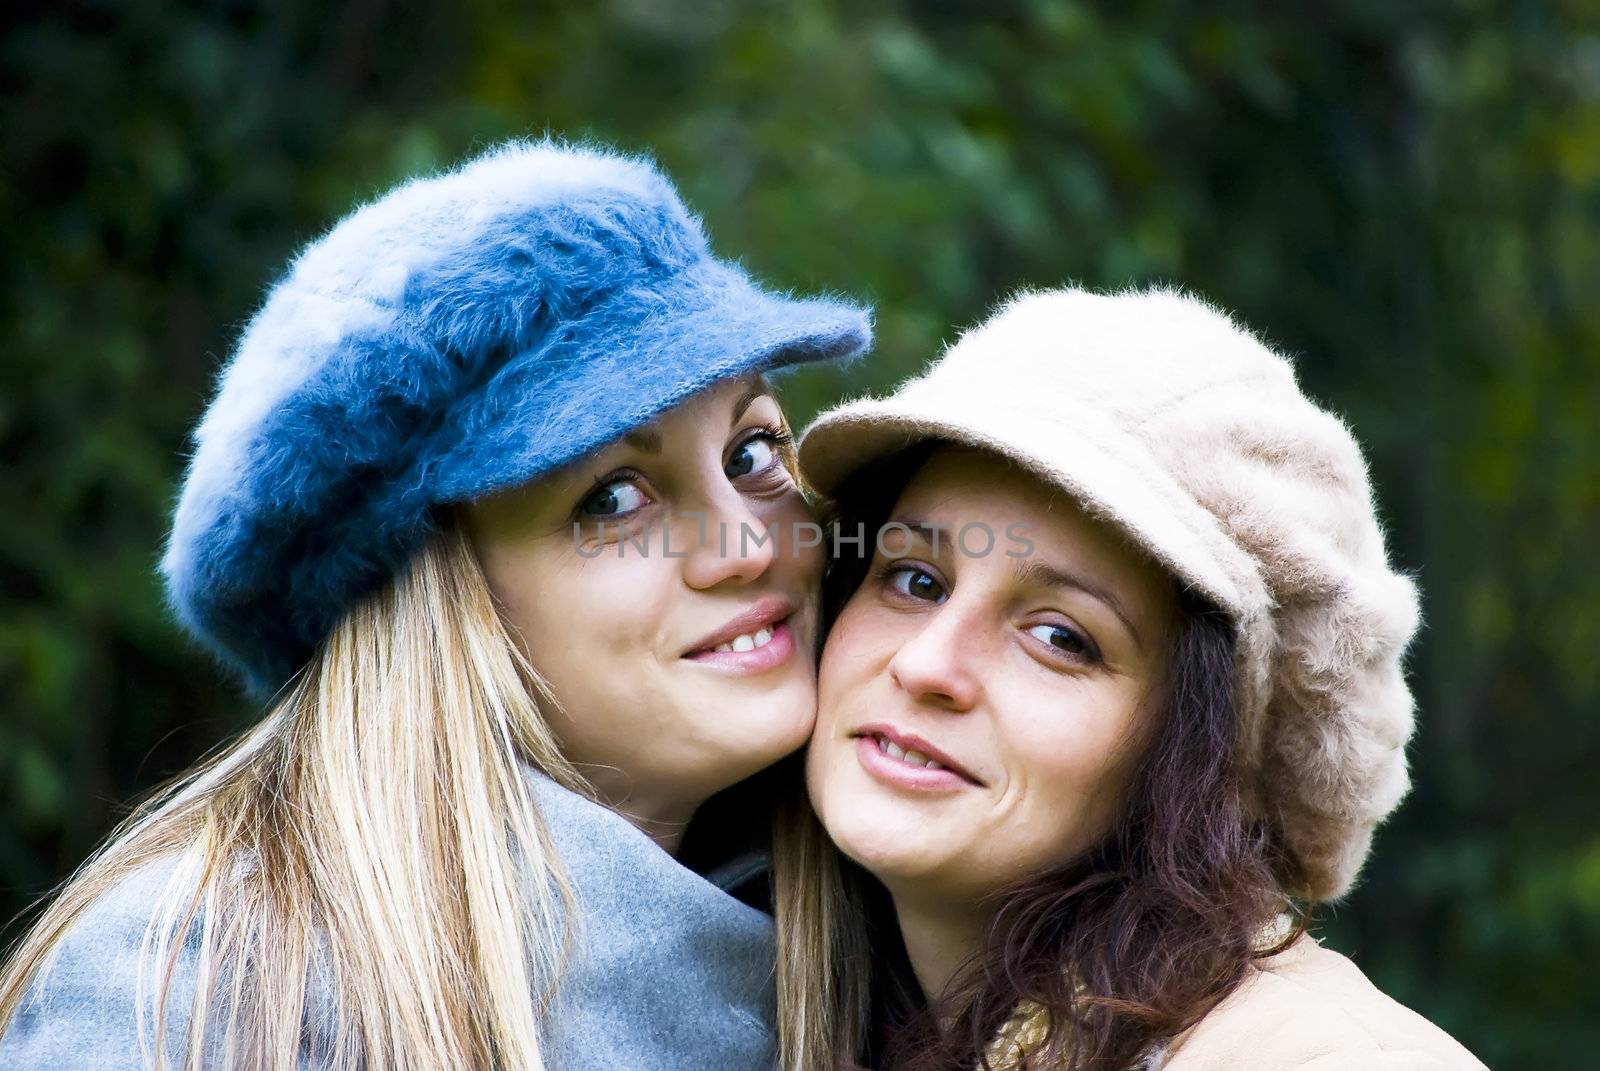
1112,697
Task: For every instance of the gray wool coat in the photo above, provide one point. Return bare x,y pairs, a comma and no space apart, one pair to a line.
669,970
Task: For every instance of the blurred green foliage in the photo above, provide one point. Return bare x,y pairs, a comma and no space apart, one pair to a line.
1405,197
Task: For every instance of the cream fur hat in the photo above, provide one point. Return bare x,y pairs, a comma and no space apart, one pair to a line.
1164,417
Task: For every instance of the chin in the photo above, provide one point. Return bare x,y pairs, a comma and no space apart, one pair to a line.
776,730
890,862
888,845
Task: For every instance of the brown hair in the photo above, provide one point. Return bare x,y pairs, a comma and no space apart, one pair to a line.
1112,952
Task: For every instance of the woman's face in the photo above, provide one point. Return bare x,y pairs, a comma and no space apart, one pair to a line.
1024,672
642,582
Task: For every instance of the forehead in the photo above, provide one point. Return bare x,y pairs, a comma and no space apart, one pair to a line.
707,410
964,483
727,394
959,486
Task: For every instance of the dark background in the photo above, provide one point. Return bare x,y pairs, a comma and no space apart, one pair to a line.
1406,197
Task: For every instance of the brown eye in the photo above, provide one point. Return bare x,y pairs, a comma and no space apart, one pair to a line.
1064,639
917,584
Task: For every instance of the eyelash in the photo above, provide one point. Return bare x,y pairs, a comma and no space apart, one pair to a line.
1090,653
782,440
605,480
884,575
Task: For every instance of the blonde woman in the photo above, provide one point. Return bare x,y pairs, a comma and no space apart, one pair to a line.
1112,695
466,510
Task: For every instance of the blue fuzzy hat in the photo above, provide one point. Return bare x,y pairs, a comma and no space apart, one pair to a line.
461,334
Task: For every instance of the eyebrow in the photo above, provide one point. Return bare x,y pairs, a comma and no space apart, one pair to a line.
647,439
1036,571
757,389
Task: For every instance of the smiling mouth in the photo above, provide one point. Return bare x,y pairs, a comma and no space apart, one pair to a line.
913,758
887,749
764,642
745,641
755,629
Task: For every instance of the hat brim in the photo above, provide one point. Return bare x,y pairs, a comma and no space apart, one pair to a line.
551,413
1110,475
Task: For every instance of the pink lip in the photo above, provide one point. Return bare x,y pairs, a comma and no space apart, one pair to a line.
766,613
904,774
776,652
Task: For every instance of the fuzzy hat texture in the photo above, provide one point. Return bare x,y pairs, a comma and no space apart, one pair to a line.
1164,417
463,333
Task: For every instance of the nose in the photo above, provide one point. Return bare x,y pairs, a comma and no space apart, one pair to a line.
726,542
937,665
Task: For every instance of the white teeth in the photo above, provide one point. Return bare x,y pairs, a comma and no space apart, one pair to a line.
749,641
913,758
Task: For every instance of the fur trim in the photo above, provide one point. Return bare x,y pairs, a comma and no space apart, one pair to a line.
1169,420
463,333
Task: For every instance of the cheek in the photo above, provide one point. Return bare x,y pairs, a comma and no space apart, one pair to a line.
577,610
851,686
798,546
854,653
1069,763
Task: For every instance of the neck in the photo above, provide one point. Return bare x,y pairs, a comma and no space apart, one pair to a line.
661,816
938,934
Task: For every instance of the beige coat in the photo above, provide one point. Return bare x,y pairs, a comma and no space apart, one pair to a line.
1305,1009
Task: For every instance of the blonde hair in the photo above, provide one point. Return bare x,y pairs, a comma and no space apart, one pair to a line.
373,833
